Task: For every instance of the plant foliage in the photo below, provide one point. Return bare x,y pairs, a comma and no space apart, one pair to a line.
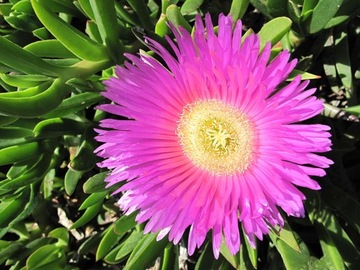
55,212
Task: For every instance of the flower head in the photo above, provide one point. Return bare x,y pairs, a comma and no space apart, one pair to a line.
212,140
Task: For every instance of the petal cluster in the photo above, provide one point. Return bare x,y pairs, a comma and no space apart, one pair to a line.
162,183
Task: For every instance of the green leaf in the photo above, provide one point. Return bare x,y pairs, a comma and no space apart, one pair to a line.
95,183
90,244
93,199
73,39
251,253
245,262
294,12
287,235
33,245
170,258
48,256
74,104
106,244
238,9
23,6
309,5
11,250
126,15
320,15
6,120
278,8
125,223
36,105
23,81
162,27
62,235
4,244
88,215
347,10
174,16
29,92
145,252
22,22
10,210
19,152
353,109
10,136
232,259
190,6
338,247
29,207
15,57
142,12
304,75
50,48
5,9
92,31
63,6
84,159
42,33
86,8
206,258
342,59
55,127
106,20
273,31
346,206
35,174
71,180
261,6
292,259
22,167
129,245
331,253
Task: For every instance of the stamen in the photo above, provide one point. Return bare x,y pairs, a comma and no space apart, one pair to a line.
216,137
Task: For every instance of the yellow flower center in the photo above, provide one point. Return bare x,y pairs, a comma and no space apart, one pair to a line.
216,137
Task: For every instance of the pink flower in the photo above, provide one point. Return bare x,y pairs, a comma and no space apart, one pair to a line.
212,141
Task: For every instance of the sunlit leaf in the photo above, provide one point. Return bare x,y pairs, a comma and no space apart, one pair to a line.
145,252
274,30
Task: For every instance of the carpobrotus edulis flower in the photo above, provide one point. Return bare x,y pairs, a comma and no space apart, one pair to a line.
212,141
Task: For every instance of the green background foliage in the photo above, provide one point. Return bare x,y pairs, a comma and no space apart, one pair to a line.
55,212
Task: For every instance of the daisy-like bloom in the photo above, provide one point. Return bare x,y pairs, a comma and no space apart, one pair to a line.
212,141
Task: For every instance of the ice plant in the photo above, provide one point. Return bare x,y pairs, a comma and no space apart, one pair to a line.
211,141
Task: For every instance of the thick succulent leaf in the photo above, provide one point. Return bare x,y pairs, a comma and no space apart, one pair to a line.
88,215
174,16
128,245
48,256
95,183
145,252
292,258
190,6
35,105
106,244
232,259
106,20
11,209
93,199
71,180
125,223
342,59
141,11
73,39
238,9
274,30
20,60
317,17
347,10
